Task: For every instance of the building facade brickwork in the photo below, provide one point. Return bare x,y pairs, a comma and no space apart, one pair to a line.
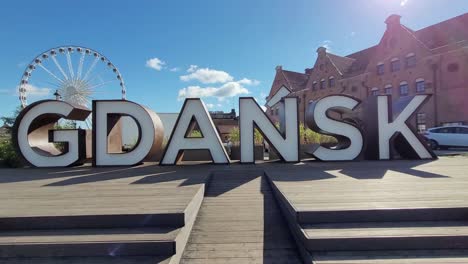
432,60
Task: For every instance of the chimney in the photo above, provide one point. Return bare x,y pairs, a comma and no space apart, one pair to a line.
392,21
321,51
279,68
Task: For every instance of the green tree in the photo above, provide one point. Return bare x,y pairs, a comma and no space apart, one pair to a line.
234,134
8,154
10,120
308,136
195,134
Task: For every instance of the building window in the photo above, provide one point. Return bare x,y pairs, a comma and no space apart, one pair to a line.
314,86
380,69
410,60
421,122
276,111
452,67
404,89
375,91
395,65
421,128
421,118
331,82
388,90
420,86
272,112
322,84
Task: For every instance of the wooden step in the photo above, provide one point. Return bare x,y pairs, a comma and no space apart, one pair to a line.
391,257
170,219
161,213
382,214
89,242
386,236
90,260
365,212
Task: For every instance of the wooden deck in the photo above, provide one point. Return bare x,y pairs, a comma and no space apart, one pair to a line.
317,186
145,189
346,212
376,212
98,215
239,222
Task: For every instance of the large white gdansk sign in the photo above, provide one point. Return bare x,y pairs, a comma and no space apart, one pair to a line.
380,135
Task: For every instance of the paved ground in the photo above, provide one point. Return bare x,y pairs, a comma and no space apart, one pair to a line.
239,222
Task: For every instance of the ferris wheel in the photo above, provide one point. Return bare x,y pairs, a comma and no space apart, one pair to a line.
73,74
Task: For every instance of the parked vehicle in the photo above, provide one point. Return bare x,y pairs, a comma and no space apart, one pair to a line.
447,136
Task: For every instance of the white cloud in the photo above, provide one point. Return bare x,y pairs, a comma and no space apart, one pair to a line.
32,90
403,2
206,75
192,68
327,44
352,34
210,106
248,82
155,63
22,64
175,69
230,89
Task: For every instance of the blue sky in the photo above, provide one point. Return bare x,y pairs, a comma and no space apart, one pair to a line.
216,49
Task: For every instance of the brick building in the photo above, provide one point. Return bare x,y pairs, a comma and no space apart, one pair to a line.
225,122
432,60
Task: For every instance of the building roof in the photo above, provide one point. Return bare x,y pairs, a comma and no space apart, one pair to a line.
444,33
342,64
441,34
361,60
296,80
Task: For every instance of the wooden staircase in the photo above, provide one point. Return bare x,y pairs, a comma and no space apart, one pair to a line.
387,235
111,238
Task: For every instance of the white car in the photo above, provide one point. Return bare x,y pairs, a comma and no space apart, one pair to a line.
447,136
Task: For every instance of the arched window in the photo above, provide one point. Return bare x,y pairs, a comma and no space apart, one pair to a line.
375,91
420,85
388,89
380,68
404,90
410,60
322,84
395,64
314,86
331,81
